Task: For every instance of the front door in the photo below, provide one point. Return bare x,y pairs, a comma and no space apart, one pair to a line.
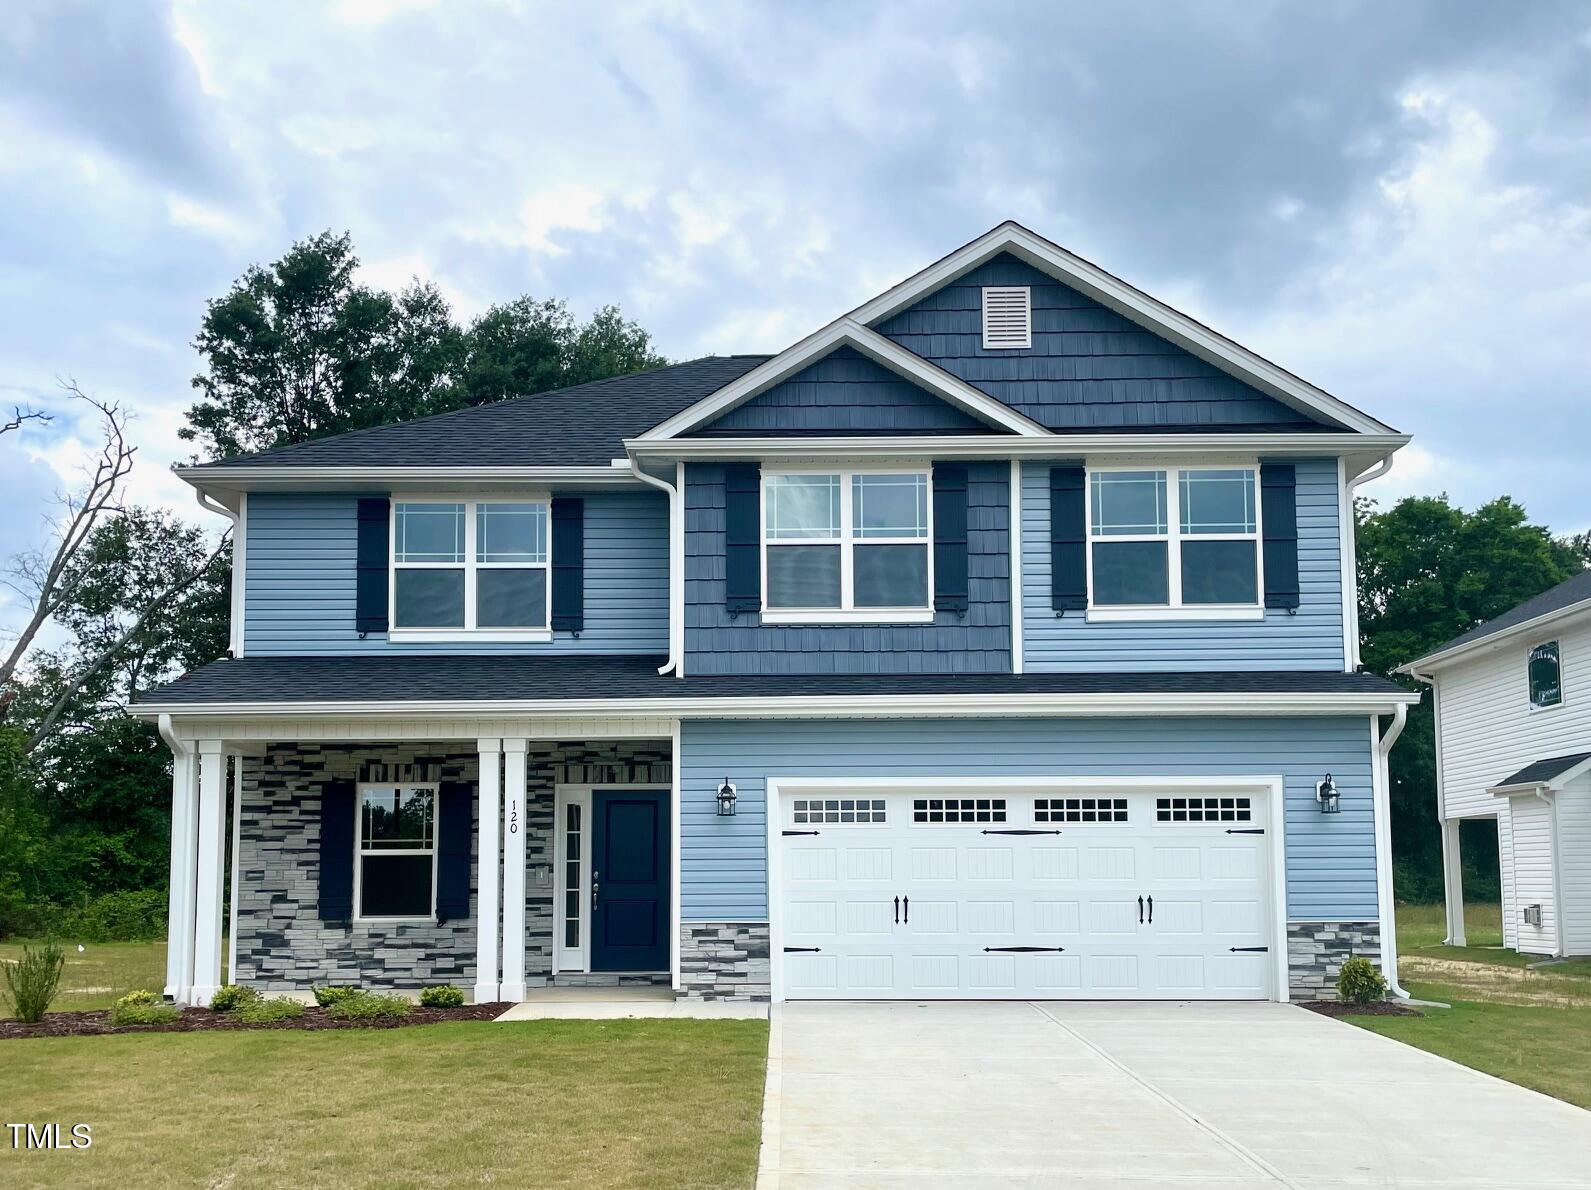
629,880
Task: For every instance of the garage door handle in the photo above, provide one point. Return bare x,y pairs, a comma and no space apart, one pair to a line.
1023,949
1249,949
897,911
1250,830
1151,911
798,832
1140,911
906,903
802,949
1019,832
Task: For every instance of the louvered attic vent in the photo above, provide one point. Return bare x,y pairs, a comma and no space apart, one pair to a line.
1007,316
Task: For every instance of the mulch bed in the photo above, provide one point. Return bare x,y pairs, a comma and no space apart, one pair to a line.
1380,1008
193,1020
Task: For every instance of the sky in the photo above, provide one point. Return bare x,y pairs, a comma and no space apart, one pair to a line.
1391,200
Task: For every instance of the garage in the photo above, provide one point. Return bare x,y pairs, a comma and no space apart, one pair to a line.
1093,890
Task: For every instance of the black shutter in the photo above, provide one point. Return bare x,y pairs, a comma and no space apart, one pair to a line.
742,538
568,564
454,838
1068,540
1279,509
337,851
950,537
370,594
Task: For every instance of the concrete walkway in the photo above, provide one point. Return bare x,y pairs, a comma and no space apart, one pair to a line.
608,1004
1229,1096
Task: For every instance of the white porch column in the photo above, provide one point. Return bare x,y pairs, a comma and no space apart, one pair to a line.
1453,882
513,869
211,865
179,912
486,861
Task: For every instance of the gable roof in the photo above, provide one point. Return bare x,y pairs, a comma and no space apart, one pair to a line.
1566,597
1544,772
581,426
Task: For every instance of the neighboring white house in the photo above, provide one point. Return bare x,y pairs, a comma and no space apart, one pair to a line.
1513,742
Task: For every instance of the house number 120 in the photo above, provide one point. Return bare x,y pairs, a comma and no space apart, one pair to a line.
513,817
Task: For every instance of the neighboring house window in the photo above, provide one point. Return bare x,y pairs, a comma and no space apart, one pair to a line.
1174,538
1546,676
470,565
395,869
846,545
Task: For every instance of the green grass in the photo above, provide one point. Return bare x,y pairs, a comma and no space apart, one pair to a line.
102,972
545,1103
1421,929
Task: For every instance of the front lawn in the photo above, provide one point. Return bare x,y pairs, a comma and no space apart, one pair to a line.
544,1103
100,973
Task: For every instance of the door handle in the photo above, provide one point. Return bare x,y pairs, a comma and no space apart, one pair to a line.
897,911
594,886
1140,911
1151,911
906,903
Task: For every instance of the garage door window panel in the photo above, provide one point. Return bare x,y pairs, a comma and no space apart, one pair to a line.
958,810
837,811
1203,809
1080,809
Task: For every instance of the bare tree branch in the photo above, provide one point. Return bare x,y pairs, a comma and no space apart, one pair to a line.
20,417
49,576
108,654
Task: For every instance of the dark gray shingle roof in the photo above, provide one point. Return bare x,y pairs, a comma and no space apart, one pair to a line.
417,679
1540,771
580,426
1565,594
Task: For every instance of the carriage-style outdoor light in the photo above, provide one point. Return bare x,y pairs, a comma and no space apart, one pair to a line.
726,798
1328,797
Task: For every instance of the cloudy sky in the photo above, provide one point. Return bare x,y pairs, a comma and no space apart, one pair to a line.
1392,200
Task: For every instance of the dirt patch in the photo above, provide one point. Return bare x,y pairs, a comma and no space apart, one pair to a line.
1503,985
194,1020
1338,1008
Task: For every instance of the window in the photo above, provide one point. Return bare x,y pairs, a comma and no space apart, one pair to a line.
1007,317
395,869
1080,809
846,545
1203,809
958,809
1183,539
573,883
1546,676
470,566
838,810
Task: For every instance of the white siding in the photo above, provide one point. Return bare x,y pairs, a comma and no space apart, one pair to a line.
1532,847
1574,854
1505,866
1488,729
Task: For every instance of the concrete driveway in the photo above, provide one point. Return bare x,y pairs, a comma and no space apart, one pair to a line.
1227,1096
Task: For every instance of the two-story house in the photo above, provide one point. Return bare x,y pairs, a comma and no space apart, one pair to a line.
995,640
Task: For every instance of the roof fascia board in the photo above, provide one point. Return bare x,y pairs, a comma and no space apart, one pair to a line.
1485,644
259,478
1130,302
885,352
943,446
822,706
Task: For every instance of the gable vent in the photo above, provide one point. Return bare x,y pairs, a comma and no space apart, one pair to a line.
1007,316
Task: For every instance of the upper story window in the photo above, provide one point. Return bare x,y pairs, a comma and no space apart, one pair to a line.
470,565
1545,676
1174,539
395,868
1007,317
846,545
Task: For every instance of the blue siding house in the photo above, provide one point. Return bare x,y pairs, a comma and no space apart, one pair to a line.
998,640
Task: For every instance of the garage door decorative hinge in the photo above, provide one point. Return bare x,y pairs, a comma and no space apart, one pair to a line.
1245,830
798,832
1249,949
1023,949
802,949
1019,832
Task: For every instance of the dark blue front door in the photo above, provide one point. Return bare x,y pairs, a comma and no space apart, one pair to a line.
629,880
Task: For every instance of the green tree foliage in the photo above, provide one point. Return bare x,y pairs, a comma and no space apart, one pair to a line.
1429,571
298,349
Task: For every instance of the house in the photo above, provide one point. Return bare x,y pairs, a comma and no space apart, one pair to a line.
1513,743
995,640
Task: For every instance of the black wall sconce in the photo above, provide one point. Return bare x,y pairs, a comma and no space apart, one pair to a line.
1327,795
726,799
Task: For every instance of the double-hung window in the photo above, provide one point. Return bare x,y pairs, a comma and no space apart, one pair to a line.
470,566
847,545
395,868
1177,540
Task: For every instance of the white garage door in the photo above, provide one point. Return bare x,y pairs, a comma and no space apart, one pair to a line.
1048,895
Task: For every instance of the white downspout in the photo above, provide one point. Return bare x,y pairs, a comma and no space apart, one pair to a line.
1559,949
1350,563
676,564
1382,795
235,597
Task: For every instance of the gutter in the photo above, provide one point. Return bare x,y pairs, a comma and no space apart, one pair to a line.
676,562
1386,906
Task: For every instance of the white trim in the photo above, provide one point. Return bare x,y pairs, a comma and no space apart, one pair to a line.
1014,536
852,615
240,552
264,477
1433,661
1559,929
1128,301
1121,614
676,859
1381,814
516,826
1273,788
237,865
471,566
209,866
360,852
488,865
565,958
844,332
417,636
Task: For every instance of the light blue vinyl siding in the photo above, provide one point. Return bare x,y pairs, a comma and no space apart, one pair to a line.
1309,639
1330,858
299,585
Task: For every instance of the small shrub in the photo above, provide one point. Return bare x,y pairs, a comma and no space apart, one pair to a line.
328,996
34,979
142,1008
1360,983
368,1006
442,996
260,1011
232,997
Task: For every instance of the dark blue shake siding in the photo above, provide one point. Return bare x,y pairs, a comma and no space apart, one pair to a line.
980,642
1088,369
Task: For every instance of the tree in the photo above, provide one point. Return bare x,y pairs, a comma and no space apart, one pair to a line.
1429,571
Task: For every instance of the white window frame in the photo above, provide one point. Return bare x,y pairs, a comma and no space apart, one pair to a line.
1531,705
571,958
469,565
847,612
360,852
1175,609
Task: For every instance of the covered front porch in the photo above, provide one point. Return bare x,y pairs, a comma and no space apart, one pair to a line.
400,855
